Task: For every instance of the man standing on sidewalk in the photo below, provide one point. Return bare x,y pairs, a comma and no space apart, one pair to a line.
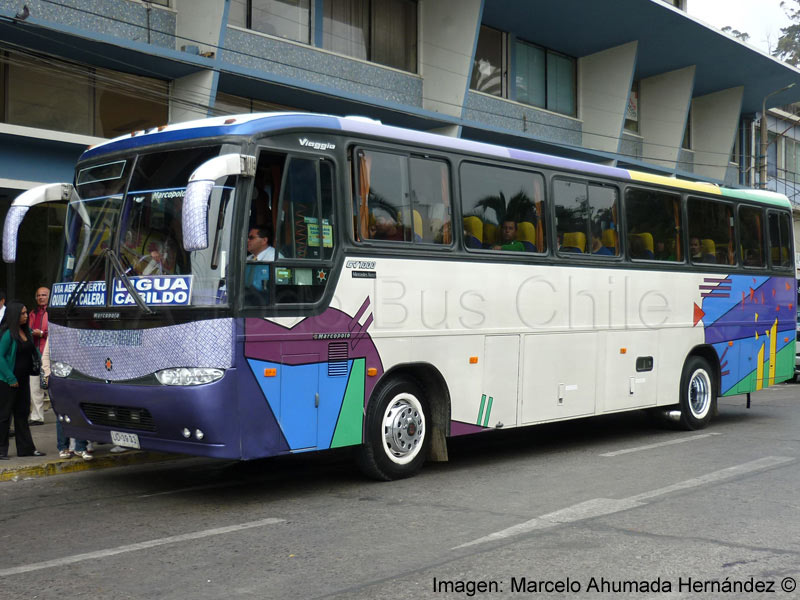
38,325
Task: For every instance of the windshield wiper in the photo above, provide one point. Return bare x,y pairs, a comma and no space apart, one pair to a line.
73,297
116,266
119,271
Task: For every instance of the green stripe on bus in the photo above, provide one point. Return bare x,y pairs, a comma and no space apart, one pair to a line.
480,410
762,196
349,426
488,412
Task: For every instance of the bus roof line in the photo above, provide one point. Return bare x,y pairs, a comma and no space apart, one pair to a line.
250,124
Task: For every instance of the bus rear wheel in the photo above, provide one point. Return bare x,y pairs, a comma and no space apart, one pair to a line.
698,399
396,438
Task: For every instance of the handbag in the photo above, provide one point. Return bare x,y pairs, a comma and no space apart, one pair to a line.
36,364
42,380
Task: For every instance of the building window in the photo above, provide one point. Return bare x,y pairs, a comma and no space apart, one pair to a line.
290,19
632,110
228,104
792,161
489,67
47,93
381,32
384,33
542,77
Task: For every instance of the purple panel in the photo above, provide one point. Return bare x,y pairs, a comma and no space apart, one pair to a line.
271,342
140,352
210,408
770,301
261,434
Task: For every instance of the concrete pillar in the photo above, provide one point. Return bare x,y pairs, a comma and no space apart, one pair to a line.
200,29
715,118
191,97
663,111
605,82
449,33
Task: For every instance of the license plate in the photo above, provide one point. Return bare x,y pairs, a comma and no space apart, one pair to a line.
126,440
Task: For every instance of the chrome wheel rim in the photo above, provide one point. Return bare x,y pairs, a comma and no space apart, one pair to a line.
403,428
699,394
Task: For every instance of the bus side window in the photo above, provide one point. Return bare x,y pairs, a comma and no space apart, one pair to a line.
496,197
402,198
751,232
653,216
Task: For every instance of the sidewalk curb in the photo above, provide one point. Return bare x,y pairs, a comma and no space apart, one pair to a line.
72,465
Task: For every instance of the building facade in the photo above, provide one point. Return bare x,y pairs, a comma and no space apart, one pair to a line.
579,78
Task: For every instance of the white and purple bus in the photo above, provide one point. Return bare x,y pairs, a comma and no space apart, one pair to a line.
420,287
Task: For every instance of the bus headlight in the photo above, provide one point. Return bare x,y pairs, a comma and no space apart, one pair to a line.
60,369
188,376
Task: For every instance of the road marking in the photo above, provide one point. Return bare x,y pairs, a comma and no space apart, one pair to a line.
756,465
660,444
68,560
599,507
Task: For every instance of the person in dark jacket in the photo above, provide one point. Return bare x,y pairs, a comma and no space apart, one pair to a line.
18,355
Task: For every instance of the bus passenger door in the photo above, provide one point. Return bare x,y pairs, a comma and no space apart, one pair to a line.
500,378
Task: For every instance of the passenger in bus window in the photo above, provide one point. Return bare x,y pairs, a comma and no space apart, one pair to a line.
597,244
696,251
752,257
508,237
258,245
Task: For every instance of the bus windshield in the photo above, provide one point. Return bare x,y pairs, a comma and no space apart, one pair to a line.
132,206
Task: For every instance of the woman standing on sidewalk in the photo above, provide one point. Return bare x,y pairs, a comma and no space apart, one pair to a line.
17,358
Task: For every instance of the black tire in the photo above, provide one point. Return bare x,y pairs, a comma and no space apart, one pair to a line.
698,394
396,437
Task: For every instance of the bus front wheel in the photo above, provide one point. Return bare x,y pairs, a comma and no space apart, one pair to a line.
396,438
698,394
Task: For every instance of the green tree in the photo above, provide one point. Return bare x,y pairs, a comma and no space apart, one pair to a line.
742,35
788,48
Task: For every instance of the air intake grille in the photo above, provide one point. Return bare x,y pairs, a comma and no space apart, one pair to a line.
124,417
337,359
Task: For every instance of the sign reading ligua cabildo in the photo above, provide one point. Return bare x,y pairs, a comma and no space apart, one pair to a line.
154,290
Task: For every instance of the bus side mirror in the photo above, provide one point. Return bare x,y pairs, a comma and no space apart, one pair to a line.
198,192
51,192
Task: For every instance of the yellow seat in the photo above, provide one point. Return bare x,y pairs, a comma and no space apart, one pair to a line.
417,223
473,232
489,233
526,233
708,246
574,241
609,239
